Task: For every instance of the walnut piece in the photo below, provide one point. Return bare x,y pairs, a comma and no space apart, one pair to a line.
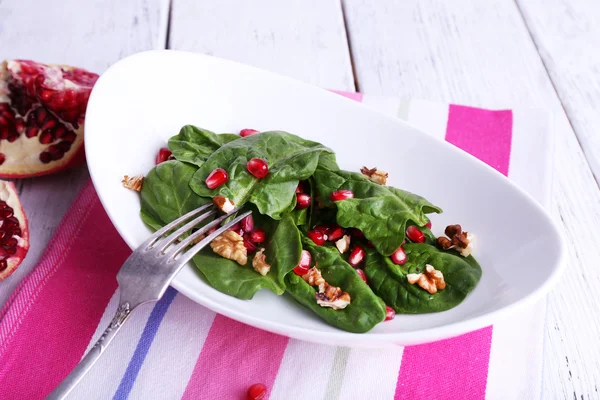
230,245
259,263
343,244
430,280
313,278
333,297
375,175
223,204
459,240
133,182
328,295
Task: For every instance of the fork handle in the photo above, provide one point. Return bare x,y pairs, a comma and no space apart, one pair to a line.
86,363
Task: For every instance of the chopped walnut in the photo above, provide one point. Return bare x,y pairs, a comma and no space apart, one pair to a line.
333,297
313,278
230,245
343,244
259,263
133,182
375,175
430,280
458,240
223,204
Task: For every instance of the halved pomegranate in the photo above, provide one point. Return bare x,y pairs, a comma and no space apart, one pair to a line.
42,109
14,232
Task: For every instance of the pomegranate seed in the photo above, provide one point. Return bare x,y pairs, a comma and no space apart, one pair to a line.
258,235
399,256
370,244
304,264
7,212
357,255
249,244
428,225
46,137
362,275
301,188
163,155
236,227
248,132
45,157
336,233
302,201
211,230
389,313
317,236
415,234
357,233
2,158
324,229
258,167
216,178
341,195
257,391
3,265
248,223
11,242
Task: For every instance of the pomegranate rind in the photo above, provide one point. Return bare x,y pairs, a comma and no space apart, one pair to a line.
22,156
8,193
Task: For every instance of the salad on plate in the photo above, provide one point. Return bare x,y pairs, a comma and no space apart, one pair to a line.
341,243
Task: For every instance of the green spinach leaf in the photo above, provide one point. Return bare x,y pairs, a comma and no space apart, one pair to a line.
166,194
282,250
381,212
365,309
389,280
290,159
194,145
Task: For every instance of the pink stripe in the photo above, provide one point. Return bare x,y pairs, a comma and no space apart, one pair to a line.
72,285
351,95
457,368
234,357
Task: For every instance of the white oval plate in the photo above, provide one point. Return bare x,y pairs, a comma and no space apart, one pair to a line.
144,99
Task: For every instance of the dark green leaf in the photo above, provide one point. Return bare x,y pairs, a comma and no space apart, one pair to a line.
389,280
194,145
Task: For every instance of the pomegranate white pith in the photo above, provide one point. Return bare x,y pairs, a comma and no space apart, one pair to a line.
42,110
14,232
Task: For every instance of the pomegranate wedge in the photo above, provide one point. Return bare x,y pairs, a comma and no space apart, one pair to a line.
14,232
42,110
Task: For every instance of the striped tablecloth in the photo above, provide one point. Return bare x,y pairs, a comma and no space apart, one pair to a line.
177,349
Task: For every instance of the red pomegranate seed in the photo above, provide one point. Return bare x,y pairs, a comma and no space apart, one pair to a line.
414,234
341,195
357,255
362,275
257,391
317,236
248,224
216,178
336,233
301,188
324,229
211,230
3,265
249,244
302,201
389,313
163,155
2,158
356,233
258,235
258,167
304,264
236,227
399,256
428,225
248,132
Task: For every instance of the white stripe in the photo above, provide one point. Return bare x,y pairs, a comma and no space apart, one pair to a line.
372,373
304,371
108,315
387,105
429,116
174,351
103,380
516,354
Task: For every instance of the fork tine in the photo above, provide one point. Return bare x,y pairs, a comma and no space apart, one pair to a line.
157,235
187,256
164,243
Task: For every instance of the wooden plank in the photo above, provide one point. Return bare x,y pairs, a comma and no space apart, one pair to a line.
567,35
480,53
304,39
93,35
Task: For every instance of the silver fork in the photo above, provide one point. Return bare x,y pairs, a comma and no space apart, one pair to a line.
145,276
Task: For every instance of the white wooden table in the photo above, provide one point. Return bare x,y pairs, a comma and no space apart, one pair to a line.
493,53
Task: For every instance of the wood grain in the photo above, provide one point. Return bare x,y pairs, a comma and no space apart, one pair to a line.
93,35
304,39
481,53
